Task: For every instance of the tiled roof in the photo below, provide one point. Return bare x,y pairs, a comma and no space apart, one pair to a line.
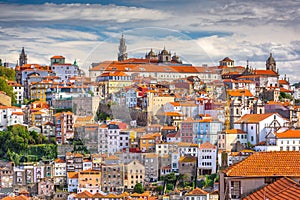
187,159
265,72
186,144
112,157
239,93
273,163
59,160
196,191
57,57
235,131
84,194
284,188
253,118
207,145
72,174
289,134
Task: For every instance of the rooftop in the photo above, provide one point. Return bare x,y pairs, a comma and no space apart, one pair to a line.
273,163
284,188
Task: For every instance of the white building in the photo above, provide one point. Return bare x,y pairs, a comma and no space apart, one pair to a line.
260,127
60,171
72,181
207,158
10,115
188,149
18,90
288,140
65,71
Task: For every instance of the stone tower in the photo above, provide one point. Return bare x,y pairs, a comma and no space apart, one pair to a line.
22,58
271,63
122,55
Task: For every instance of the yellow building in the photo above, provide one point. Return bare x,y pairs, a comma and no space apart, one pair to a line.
134,173
89,180
113,82
38,89
148,142
156,101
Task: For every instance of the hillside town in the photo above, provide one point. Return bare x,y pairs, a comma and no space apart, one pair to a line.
148,128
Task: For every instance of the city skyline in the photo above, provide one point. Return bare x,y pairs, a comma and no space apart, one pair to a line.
199,32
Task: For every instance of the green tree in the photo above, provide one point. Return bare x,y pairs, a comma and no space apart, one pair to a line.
138,188
8,90
159,189
7,73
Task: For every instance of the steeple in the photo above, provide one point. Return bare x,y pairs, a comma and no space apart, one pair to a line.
271,63
22,58
122,55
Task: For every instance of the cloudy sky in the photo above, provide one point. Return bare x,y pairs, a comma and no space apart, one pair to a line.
200,32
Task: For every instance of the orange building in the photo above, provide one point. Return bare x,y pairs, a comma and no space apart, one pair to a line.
89,180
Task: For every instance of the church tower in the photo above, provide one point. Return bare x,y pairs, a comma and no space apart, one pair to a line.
122,55
22,58
271,63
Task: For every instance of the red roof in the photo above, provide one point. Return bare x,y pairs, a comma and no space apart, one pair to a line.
57,57
284,188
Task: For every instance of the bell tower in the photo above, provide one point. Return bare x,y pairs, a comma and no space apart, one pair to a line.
122,55
22,58
271,63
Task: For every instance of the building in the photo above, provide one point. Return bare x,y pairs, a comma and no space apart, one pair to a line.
284,188
64,126
198,194
112,179
18,90
232,140
10,115
148,141
46,187
258,170
72,181
22,58
59,171
89,180
288,140
134,173
188,166
151,163
261,127
207,158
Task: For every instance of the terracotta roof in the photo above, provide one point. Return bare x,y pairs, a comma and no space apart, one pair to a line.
151,155
84,194
187,159
112,157
57,57
239,93
289,134
283,82
265,72
253,118
169,128
284,188
21,197
273,163
207,145
174,114
196,191
72,174
59,160
186,144
235,131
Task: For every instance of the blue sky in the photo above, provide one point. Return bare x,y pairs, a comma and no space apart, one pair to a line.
200,32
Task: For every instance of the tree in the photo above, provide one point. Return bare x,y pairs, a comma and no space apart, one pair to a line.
138,188
8,90
159,189
7,73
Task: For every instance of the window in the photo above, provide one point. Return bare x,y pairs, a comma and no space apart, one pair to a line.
235,189
252,138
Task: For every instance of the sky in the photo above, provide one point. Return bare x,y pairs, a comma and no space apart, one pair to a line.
199,32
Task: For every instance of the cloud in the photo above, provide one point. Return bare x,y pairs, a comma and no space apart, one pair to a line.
198,31
79,12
